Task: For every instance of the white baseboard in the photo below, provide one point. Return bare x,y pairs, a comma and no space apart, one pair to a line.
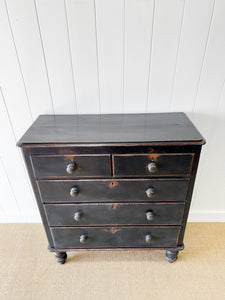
207,216
20,217
34,217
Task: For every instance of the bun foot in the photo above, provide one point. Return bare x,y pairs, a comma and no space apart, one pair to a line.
60,257
171,256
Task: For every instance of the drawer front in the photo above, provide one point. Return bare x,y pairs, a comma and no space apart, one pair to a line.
71,166
152,164
113,190
113,237
116,214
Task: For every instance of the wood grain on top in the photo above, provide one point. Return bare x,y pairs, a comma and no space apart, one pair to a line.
112,128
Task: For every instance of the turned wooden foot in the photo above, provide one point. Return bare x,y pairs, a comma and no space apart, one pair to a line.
60,257
171,256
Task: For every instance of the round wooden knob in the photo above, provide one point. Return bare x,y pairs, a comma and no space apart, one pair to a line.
148,238
77,216
83,239
150,192
152,168
149,215
74,191
71,168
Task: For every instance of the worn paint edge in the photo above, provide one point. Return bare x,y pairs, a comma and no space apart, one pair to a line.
31,217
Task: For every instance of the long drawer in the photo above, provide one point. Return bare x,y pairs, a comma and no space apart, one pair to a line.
64,166
113,237
174,164
114,214
113,190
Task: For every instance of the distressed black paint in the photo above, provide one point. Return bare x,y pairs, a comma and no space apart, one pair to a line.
166,164
86,166
113,190
110,197
115,237
114,214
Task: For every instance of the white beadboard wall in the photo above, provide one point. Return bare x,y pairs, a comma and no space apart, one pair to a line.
112,56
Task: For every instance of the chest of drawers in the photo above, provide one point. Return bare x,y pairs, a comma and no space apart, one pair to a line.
113,181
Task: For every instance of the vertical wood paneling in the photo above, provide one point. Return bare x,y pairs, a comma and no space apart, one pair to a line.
214,166
138,37
110,32
165,43
191,53
22,16
213,73
208,107
82,31
53,25
7,200
11,80
213,163
13,164
105,56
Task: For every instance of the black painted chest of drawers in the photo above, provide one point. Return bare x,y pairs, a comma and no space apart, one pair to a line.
113,181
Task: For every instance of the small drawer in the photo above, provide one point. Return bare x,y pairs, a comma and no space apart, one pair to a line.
113,190
114,214
152,164
115,237
71,166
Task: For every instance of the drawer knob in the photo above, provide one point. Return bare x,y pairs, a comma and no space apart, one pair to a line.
150,192
83,239
71,168
152,168
74,191
148,238
77,216
149,215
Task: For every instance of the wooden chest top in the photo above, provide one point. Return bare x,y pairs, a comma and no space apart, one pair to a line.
113,128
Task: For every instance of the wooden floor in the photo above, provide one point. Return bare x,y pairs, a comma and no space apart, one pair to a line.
29,271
